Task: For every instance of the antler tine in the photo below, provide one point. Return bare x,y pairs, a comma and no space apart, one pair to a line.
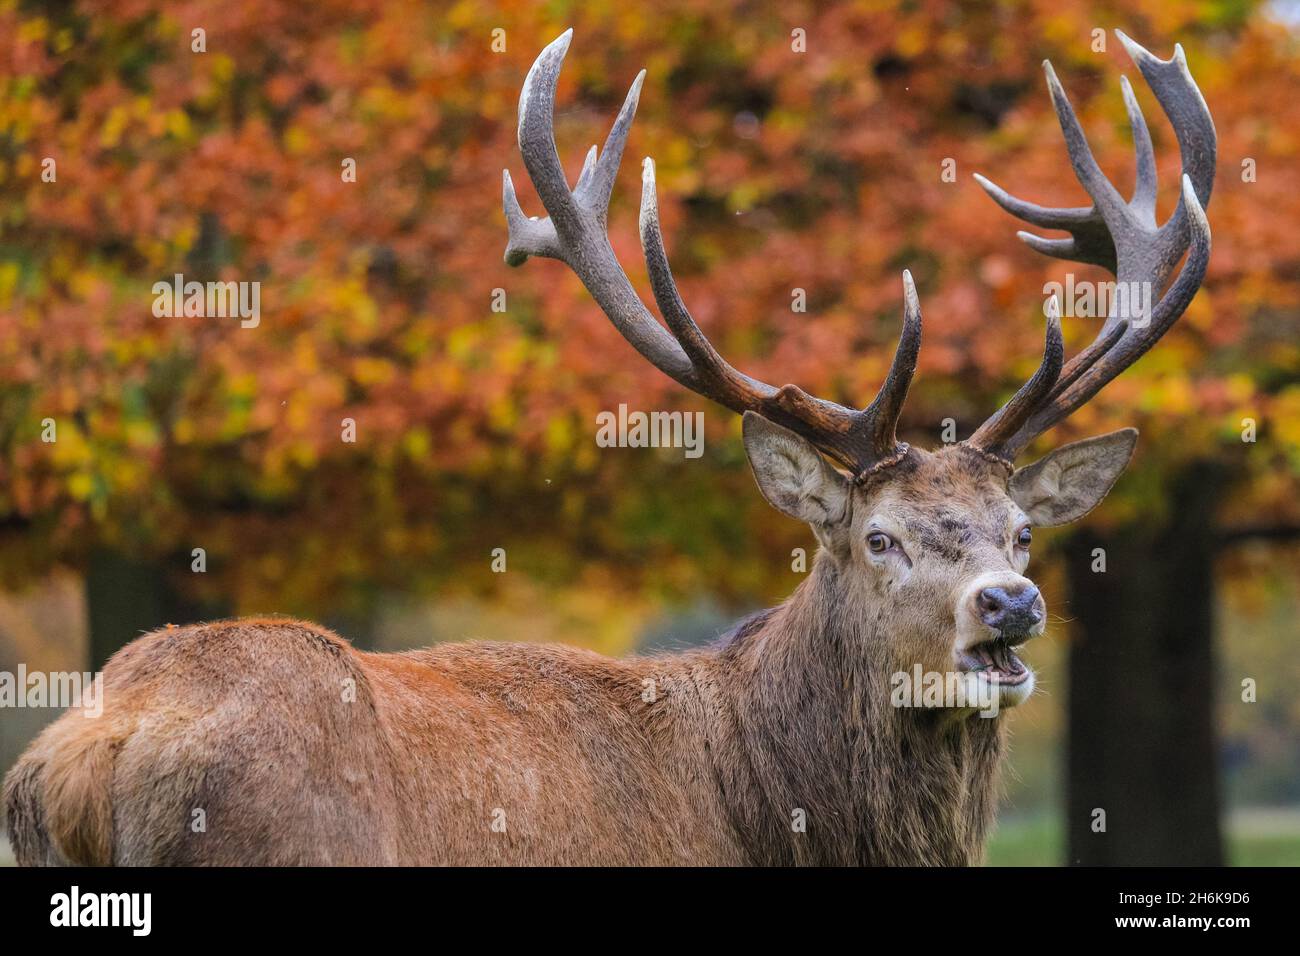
717,379
574,232
1144,185
887,407
994,433
528,236
856,439
605,170
1180,98
1105,198
1127,349
1122,236
537,135
588,169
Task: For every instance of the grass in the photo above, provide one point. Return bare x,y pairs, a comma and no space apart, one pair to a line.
1026,841
1256,837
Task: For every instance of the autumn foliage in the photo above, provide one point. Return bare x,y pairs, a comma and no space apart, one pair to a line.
778,170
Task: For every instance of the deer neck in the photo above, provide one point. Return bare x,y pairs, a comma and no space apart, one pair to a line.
824,769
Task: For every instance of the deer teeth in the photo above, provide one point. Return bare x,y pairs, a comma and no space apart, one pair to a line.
996,656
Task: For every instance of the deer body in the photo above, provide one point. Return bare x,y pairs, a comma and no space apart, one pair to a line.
275,742
508,753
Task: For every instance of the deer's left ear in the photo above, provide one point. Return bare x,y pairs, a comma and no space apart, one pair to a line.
1072,480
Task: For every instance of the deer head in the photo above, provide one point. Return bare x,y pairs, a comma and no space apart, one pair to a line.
935,543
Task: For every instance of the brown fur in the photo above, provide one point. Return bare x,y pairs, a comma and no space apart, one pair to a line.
300,749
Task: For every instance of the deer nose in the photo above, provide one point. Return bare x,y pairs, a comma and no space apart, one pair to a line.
1013,611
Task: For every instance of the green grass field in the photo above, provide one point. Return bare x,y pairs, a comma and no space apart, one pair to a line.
1255,838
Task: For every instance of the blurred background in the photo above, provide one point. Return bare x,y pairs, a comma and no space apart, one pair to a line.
1169,683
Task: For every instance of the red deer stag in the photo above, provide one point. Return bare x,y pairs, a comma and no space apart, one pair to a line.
782,744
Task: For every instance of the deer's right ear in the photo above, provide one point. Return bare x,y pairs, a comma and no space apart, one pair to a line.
792,474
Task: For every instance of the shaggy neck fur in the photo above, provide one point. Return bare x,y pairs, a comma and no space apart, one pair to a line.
808,725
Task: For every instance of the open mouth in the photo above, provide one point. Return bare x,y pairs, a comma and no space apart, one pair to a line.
996,660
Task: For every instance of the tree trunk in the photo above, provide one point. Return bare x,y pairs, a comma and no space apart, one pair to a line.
1142,746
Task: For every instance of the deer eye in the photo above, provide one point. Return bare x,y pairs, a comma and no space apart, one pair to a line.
878,542
1025,538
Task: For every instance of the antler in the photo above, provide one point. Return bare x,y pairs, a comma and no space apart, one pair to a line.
575,233
1120,236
